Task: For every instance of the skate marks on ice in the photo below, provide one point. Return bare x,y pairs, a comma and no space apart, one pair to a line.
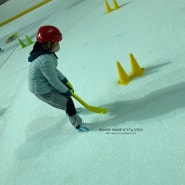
2,111
41,135
155,104
46,132
10,48
75,4
29,29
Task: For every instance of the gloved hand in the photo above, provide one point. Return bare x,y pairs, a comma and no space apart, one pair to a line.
68,93
67,84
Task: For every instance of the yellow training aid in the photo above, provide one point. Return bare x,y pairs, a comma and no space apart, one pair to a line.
123,77
108,8
90,108
116,6
136,69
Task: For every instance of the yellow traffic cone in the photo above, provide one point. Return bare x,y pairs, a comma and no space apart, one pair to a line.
123,77
136,69
116,6
108,8
29,40
22,43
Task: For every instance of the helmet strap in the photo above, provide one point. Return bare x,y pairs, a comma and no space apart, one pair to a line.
49,48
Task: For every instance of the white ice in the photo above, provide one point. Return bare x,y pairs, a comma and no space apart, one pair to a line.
38,146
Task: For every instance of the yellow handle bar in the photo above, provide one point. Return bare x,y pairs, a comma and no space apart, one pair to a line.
89,107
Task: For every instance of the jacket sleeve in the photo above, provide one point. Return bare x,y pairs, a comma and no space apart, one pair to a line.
60,75
49,70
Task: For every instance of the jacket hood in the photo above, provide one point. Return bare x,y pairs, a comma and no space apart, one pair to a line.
33,56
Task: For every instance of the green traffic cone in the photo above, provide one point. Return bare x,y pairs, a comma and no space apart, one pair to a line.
22,43
29,40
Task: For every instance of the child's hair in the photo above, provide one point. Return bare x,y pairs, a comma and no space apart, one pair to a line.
37,47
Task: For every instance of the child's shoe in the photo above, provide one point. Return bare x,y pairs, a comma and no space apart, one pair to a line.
83,128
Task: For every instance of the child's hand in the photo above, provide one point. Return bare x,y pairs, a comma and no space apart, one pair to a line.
68,93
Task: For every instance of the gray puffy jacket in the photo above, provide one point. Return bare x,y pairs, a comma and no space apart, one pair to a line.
44,76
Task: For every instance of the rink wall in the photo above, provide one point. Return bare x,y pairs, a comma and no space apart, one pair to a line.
13,9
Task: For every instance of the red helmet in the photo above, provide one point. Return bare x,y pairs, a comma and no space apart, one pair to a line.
48,33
